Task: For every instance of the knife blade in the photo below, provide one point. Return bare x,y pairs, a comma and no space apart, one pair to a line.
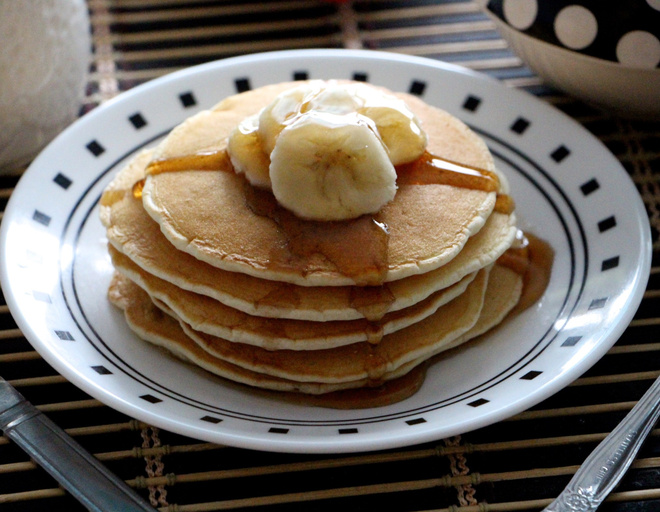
77,471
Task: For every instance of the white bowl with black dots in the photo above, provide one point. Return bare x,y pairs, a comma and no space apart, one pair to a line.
604,53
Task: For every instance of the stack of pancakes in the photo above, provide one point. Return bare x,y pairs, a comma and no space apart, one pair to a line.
214,270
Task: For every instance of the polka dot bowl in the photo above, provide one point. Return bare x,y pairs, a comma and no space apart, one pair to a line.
605,53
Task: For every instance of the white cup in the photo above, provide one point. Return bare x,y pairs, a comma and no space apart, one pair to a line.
44,60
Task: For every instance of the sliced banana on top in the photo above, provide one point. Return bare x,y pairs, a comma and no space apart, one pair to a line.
246,154
400,131
283,109
328,149
331,167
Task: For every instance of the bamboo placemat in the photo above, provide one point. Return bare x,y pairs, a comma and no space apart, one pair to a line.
518,464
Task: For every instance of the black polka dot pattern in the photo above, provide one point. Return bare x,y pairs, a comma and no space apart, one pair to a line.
613,31
95,148
137,121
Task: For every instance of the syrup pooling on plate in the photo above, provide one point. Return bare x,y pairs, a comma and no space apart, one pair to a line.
532,258
376,394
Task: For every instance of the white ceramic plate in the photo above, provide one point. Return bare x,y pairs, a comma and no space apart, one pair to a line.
569,190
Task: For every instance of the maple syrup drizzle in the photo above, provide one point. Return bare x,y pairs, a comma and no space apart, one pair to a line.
373,302
203,161
385,393
430,169
532,258
504,204
358,248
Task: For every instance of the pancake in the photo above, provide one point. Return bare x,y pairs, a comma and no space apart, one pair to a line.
351,366
209,316
225,222
158,328
358,360
131,231
214,270
505,287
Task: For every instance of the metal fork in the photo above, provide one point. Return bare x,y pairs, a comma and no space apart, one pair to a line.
603,469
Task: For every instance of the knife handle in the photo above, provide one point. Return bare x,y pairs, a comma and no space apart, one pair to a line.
80,473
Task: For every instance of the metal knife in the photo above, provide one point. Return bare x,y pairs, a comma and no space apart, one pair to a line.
79,472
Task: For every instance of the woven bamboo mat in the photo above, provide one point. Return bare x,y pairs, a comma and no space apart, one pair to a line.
516,465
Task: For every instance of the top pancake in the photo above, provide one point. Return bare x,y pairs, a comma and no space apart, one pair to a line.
219,219
132,231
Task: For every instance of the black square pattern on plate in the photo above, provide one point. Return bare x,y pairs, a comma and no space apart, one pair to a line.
606,224
41,218
187,99
62,181
471,103
95,148
560,153
531,375
242,84
571,341
211,419
101,370
478,403
64,335
300,75
589,187
360,76
348,431
520,125
278,430
598,303
609,263
138,121
417,87
151,398
416,421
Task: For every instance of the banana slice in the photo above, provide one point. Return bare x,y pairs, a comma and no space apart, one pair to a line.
283,109
333,98
331,167
400,130
327,149
246,153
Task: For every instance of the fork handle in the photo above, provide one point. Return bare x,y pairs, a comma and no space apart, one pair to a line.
606,465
